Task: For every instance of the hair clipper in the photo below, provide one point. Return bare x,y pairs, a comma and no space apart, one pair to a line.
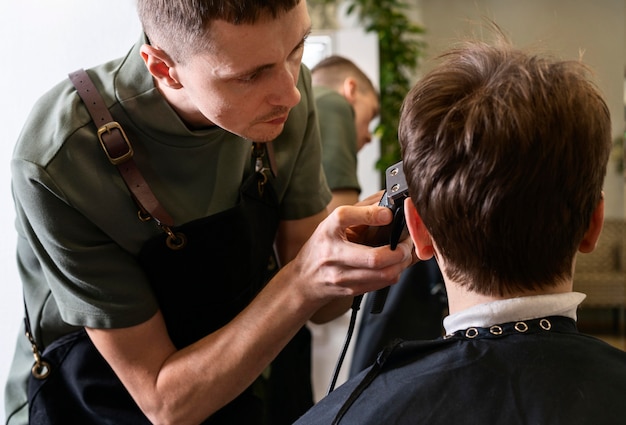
396,191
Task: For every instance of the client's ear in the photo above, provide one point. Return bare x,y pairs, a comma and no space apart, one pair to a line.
592,234
420,236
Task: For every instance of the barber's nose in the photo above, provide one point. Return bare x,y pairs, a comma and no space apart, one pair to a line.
284,90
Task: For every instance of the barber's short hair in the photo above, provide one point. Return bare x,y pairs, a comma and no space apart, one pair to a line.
181,27
505,154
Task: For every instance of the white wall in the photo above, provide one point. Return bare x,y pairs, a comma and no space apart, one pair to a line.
41,41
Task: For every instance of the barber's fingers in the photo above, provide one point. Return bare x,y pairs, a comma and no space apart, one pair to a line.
336,266
408,242
348,216
335,243
360,268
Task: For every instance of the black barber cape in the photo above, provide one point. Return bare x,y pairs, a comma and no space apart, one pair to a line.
536,372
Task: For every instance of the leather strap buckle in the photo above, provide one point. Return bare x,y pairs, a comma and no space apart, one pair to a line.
118,149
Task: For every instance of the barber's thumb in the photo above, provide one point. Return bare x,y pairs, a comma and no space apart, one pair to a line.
382,216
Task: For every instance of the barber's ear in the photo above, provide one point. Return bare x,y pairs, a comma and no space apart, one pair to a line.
590,240
160,65
420,236
349,89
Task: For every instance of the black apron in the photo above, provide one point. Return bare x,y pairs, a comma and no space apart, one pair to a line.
200,287
204,285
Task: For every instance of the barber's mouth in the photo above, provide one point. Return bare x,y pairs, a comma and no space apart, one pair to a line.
277,121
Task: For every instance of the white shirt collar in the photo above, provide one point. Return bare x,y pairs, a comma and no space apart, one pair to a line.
513,310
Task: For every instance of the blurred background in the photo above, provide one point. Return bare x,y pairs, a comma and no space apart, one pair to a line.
42,41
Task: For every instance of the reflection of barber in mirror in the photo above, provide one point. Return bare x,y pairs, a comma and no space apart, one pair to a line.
347,102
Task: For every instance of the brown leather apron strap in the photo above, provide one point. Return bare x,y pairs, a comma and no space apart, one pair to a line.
118,149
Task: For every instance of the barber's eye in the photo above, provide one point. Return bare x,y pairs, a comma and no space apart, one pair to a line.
249,78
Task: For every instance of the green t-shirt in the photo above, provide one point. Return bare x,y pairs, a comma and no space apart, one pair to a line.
339,139
78,230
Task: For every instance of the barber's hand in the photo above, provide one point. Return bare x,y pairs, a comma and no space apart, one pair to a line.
359,233
331,264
